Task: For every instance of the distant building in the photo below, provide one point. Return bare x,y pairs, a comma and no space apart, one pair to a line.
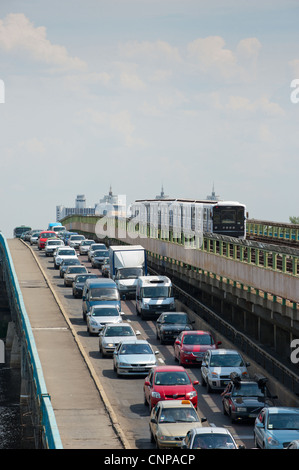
162,194
79,209
212,196
112,205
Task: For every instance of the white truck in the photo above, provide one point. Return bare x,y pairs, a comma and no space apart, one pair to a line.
127,263
154,295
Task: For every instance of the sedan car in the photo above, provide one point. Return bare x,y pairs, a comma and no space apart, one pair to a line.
111,335
66,263
276,427
134,357
169,383
78,283
75,240
98,257
191,346
34,237
99,315
51,245
210,438
170,324
84,246
62,253
95,246
218,364
245,398
71,272
171,420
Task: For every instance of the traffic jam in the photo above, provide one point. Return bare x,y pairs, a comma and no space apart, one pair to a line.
171,385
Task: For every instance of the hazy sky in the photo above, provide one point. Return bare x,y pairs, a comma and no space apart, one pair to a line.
140,93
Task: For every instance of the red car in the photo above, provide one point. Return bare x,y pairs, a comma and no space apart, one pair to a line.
43,237
169,383
190,346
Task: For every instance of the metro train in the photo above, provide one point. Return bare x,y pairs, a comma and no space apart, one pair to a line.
192,216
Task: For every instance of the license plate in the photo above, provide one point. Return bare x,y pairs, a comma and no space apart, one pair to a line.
252,415
225,382
199,359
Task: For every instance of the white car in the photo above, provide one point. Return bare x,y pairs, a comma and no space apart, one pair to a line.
34,238
51,245
134,357
75,240
111,335
72,272
84,246
218,364
100,315
62,253
209,438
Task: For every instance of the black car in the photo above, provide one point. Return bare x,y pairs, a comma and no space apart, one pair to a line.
245,398
79,282
170,324
66,263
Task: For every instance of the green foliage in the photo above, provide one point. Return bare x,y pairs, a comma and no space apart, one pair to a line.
294,220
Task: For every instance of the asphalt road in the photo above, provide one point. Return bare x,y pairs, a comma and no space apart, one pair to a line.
126,394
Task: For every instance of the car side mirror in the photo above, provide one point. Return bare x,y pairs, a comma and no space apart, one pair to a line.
203,420
218,343
259,424
84,297
196,382
177,341
247,364
154,421
147,383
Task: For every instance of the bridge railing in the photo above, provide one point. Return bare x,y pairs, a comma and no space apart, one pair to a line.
50,433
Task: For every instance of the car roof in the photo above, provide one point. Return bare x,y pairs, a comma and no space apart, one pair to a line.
169,369
99,306
282,409
196,332
175,403
135,341
210,430
223,351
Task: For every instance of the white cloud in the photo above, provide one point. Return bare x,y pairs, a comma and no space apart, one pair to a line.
17,33
150,51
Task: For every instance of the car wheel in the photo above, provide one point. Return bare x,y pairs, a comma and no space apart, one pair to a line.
203,381
145,400
255,441
209,389
152,437
224,410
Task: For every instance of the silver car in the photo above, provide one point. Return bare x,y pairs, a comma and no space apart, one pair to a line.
134,357
100,315
72,272
112,335
218,364
84,246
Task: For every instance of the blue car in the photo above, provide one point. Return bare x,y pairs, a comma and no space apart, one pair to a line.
276,427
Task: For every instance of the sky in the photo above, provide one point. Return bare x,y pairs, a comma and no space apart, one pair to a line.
136,94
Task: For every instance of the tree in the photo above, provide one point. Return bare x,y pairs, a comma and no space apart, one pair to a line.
294,220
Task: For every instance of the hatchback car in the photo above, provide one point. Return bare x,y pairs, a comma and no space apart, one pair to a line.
62,253
169,383
245,398
134,357
95,246
170,324
210,438
218,364
276,427
75,240
111,335
171,420
71,272
43,237
191,346
99,315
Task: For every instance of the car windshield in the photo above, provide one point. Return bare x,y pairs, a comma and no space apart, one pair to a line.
99,246
171,318
66,253
178,415
48,235
119,331
198,339
86,242
226,360
129,273
247,390
101,253
54,242
283,421
77,237
213,441
70,262
104,293
136,349
83,278
77,269
105,312
155,292
172,378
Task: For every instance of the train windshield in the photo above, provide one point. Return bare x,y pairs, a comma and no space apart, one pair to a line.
228,215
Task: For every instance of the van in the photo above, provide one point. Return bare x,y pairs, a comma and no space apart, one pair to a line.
99,291
154,295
